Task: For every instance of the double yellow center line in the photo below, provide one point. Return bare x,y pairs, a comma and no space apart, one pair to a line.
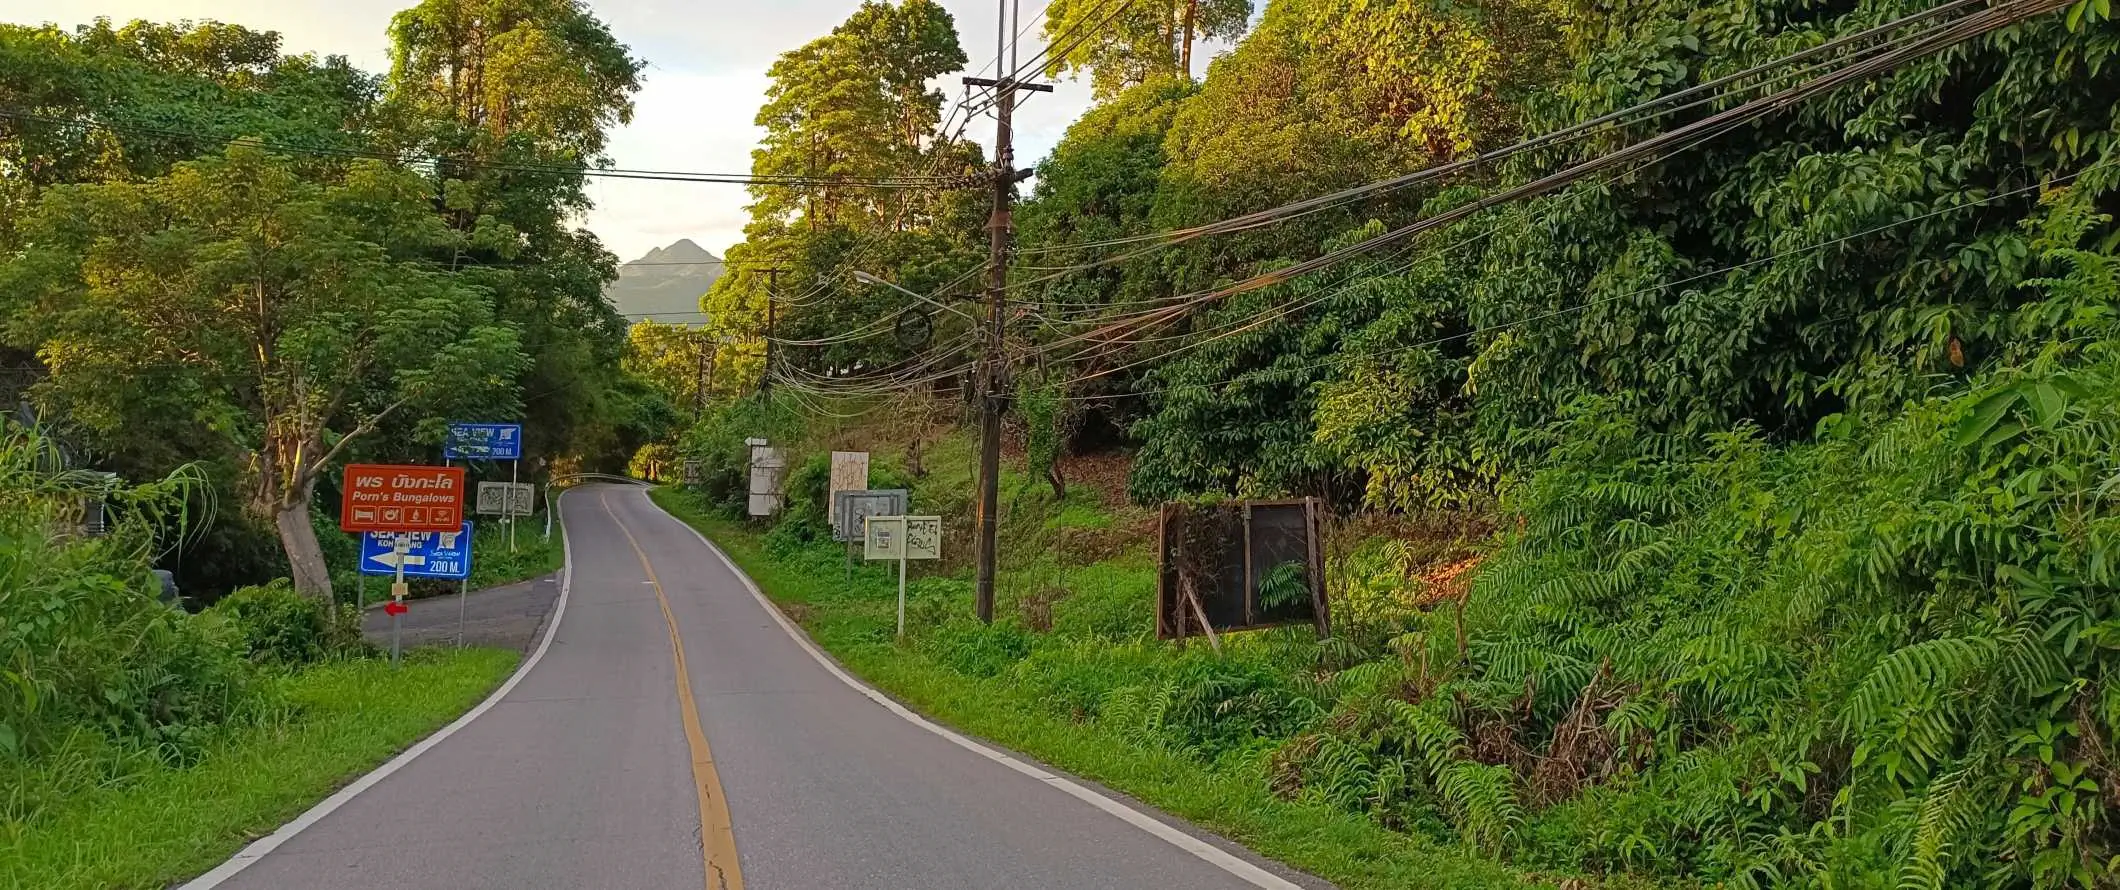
717,833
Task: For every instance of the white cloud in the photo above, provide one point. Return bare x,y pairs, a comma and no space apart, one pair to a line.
704,84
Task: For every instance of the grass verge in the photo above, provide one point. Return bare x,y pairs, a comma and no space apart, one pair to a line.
853,622
164,824
493,563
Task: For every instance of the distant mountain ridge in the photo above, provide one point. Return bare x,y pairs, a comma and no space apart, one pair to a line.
665,285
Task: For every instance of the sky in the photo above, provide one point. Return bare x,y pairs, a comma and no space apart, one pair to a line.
705,79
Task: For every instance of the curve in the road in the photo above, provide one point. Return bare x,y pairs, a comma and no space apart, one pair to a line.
575,773
717,829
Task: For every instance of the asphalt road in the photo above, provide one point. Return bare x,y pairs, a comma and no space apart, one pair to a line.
590,773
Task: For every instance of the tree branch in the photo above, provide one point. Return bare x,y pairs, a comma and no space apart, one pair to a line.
307,474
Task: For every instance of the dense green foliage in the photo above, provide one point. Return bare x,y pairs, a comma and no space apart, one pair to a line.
855,103
1799,442
99,670
153,177
280,626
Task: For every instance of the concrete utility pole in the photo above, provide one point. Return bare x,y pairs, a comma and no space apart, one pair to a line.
993,387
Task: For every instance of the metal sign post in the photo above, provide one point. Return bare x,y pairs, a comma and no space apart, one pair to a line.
442,555
902,538
403,548
510,517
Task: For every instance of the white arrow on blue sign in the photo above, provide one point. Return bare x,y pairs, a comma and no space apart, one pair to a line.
430,554
484,441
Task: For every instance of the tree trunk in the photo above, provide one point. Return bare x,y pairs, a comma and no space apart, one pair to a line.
1055,479
305,556
1192,11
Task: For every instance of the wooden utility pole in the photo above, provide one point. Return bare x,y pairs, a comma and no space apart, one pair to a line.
699,393
765,377
993,378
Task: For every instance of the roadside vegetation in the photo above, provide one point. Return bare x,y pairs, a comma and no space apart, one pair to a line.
1747,518
141,744
140,155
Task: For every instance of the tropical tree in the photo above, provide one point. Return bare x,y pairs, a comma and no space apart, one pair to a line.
286,318
855,103
516,98
1136,42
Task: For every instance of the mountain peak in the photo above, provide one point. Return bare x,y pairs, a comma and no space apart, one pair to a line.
666,284
684,251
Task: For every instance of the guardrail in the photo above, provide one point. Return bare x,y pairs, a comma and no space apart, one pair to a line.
575,478
566,479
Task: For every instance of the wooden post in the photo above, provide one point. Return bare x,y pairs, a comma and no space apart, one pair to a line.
1321,610
1251,580
1192,596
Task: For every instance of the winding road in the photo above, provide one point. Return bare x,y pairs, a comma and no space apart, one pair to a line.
672,731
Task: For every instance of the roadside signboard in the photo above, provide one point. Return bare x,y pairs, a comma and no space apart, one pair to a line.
427,554
768,465
850,472
484,441
902,538
849,508
393,498
506,498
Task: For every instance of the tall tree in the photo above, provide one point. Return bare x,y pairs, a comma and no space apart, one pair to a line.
857,103
1124,44
853,103
156,94
518,97
288,318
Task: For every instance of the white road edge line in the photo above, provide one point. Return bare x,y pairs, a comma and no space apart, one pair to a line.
1216,856
259,848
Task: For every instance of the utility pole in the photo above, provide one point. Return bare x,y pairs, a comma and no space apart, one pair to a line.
993,383
765,378
699,397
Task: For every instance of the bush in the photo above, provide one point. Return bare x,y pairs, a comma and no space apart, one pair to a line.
278,625
88,645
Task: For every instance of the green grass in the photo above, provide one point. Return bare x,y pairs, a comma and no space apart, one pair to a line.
163,824
853,622
494,564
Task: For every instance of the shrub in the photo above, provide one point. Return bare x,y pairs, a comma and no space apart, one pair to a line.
278,625
88,645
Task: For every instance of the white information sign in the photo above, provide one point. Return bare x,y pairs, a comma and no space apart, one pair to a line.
850,471
903,538
506,498
767,467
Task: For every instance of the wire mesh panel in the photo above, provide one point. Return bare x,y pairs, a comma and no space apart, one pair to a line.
1239,566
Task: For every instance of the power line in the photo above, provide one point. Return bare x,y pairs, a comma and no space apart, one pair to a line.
1669,141
935,182
1566,134
1566,310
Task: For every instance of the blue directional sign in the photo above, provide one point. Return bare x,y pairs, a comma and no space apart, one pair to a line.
484,441
432,554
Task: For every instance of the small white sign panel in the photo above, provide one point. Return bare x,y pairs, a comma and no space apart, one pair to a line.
902,537
506,498
767,467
